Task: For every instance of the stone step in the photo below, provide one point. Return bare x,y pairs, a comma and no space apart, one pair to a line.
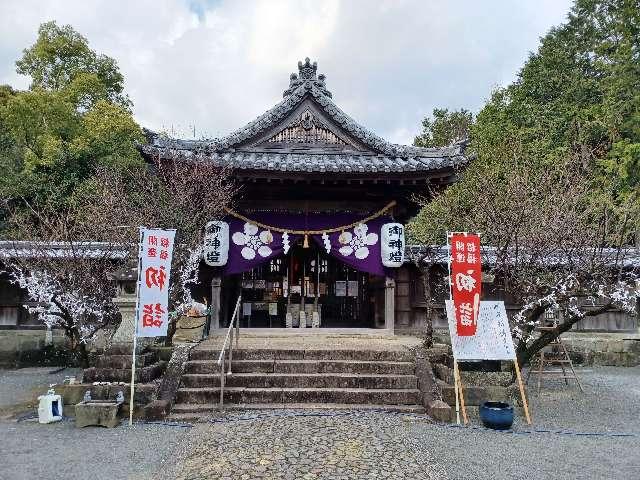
305,366
120,349
240,395
189,412
302,380
124,361
142,375
298,354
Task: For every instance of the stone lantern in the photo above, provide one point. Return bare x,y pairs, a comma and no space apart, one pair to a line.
126,281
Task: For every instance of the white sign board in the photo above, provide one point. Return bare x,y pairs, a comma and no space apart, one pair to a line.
156,250
216,243
392,244
492,340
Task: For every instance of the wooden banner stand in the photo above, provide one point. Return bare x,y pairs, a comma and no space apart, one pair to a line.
479,330
460,395
525,405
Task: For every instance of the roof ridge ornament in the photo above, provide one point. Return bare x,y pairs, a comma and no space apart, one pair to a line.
306,77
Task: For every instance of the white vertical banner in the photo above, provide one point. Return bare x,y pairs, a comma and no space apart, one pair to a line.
152,310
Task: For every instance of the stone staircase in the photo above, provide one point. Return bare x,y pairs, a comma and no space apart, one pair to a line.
268,378
115,366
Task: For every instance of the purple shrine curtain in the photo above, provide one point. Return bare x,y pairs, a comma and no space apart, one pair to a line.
358,247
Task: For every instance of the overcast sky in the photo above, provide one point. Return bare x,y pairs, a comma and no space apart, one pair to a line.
216,65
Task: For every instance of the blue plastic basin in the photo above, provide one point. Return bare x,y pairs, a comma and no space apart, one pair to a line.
496,415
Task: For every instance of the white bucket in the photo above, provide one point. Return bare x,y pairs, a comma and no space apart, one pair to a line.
50,408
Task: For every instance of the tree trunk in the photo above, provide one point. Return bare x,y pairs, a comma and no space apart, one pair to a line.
426,287
522,348
78,347
83,355
171,330
526,352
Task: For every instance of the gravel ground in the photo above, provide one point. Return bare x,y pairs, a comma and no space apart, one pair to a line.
21,385
358,445
610,403
30,450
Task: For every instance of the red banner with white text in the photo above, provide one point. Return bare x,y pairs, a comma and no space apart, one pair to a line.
466,281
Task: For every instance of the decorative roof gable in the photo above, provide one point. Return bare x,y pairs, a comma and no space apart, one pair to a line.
308,126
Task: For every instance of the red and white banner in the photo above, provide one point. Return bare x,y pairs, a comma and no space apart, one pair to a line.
466,281
156,249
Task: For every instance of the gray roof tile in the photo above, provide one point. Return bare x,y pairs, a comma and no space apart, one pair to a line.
312,162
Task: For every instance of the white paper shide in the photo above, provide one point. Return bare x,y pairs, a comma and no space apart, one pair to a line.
392,244
156,250
216,243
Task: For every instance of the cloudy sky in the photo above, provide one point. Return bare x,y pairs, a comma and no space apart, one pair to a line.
214,65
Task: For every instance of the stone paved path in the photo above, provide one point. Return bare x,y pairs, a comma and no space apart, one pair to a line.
309,446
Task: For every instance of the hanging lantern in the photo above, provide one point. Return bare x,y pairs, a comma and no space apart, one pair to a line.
216,243
305,244
392,244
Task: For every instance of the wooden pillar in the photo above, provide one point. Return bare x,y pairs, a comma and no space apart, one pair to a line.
389,304
216,288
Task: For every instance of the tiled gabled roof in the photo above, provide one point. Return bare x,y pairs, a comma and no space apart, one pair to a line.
381,155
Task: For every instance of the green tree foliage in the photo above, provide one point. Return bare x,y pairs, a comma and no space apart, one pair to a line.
61,59
577,97
446,128
556,173
73,119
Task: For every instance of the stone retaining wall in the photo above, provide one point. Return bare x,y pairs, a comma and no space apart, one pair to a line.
591,348
603,349
19,347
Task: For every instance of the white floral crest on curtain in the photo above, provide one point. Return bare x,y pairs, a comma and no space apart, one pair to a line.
357,242
253,242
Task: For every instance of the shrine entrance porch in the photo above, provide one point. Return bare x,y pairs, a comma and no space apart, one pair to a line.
308,280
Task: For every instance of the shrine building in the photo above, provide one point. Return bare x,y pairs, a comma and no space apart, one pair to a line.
318,226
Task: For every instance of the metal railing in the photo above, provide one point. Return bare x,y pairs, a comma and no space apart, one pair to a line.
228,339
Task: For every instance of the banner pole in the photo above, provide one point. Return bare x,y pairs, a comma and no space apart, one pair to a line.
133,376
456,371
455,376
135,326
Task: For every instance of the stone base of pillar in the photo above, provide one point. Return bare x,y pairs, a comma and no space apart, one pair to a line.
389,304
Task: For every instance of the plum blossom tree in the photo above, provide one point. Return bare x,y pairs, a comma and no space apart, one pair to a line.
64,264
64,258
182,195
552,246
